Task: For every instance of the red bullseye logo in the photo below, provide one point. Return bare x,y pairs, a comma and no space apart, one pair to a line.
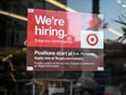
92,39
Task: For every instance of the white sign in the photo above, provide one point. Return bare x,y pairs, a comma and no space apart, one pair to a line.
92,39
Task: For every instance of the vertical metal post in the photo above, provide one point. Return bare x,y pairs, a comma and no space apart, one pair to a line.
16,88
96,6
95,22
71,87
33,87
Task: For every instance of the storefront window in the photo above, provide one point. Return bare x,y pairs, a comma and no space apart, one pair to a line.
108,16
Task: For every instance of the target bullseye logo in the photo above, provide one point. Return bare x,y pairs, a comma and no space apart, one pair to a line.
92,39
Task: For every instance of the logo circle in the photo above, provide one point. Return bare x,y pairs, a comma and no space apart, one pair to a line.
92,39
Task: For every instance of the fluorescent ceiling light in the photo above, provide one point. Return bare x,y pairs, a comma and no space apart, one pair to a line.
114,32
13,15
58,4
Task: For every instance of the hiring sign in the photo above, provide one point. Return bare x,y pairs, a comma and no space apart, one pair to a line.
58,40
49,29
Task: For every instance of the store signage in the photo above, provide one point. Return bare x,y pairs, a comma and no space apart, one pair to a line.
50,29
92,39
58,40
56,59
